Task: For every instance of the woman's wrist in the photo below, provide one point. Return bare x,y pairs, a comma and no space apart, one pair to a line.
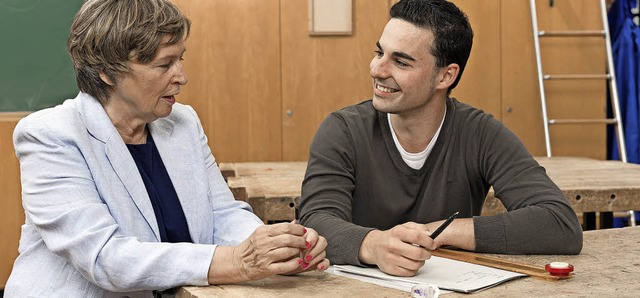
225,267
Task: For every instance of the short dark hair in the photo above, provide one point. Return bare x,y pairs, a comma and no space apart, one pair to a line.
106,34
452,33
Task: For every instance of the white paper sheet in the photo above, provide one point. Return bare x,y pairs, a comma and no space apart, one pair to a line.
394,284
445,273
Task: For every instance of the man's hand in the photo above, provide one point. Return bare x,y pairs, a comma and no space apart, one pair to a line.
399,251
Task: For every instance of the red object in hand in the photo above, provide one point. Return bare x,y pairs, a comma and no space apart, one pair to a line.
559,268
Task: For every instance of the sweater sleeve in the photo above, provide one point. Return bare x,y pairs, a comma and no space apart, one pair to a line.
540,219
327,192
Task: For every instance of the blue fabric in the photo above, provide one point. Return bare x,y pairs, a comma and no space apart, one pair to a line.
625,39
169,214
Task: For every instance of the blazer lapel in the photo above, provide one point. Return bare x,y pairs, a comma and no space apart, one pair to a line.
99,125
180,155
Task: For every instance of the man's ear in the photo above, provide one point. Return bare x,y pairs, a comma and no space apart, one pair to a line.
447,75
106,79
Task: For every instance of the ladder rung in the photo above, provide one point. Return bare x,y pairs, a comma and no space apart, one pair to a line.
582,121
577,77
609,75
571,33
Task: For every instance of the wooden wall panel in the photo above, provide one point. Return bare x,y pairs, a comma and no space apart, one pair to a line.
262,85
480,85
520,96
233,65
323,74
581,99
566,99
12,214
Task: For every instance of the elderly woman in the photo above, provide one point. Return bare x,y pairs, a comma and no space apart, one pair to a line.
120,188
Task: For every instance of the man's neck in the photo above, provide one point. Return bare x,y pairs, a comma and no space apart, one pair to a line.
416,129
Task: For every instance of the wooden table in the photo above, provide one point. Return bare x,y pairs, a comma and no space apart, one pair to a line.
609,266
590,185
273,189
273,198
270,169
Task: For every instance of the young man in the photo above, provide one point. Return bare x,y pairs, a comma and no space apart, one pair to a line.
383,174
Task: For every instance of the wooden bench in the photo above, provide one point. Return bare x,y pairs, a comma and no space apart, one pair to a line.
603,186
273,189
273,197
248,169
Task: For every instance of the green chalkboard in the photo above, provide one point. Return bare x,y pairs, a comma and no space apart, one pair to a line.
35,69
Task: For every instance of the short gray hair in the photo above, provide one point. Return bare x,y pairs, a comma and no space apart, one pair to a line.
106,34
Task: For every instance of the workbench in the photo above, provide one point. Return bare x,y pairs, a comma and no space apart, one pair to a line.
607,267
273,189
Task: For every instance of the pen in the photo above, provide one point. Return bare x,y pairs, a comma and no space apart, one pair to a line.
443,225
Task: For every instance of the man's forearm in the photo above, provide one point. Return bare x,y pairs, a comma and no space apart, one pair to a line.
367,250
459,234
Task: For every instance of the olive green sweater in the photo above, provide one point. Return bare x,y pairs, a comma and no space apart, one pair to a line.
356,181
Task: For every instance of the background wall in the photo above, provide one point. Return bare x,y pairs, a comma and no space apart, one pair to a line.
36,70
11,213
583,99
262,85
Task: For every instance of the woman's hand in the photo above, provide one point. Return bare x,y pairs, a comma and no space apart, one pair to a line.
314,256
272,249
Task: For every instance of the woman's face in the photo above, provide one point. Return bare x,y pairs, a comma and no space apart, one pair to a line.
149,90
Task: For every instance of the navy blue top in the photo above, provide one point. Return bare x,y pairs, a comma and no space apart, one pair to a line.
169,214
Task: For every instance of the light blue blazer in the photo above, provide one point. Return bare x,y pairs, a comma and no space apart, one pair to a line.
90,229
